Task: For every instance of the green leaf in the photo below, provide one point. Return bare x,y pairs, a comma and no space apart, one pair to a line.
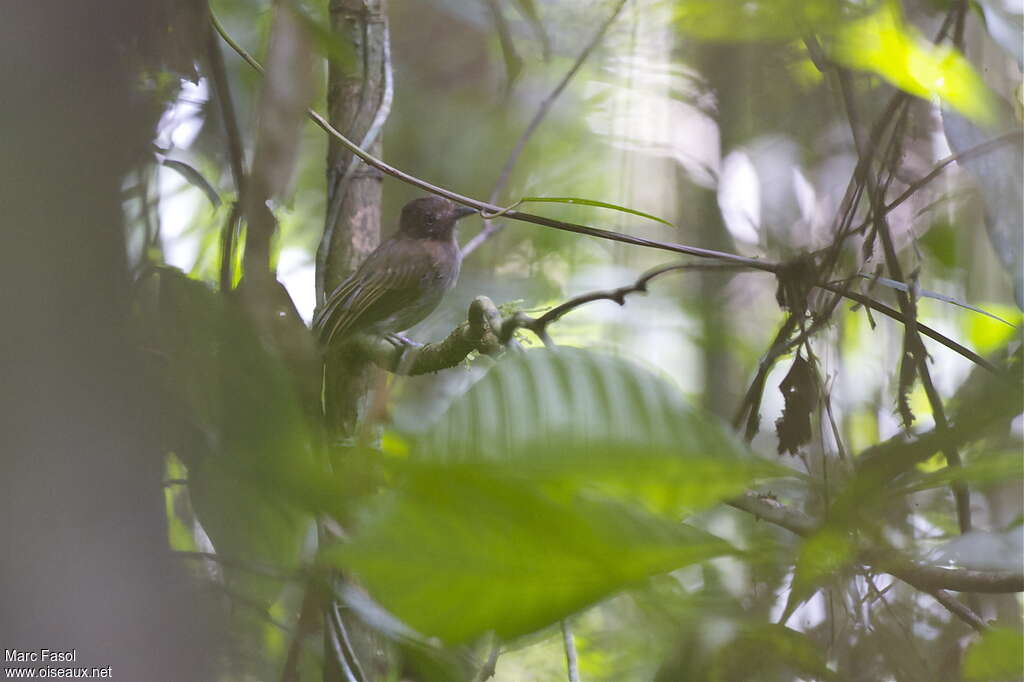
883,44
924,293
760,20
998,655
460,550
767,651
575,421
591,202
255,479
194,178
823,554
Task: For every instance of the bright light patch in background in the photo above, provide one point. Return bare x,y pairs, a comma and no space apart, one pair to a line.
296,271
178,128
179,202
182,121
739,197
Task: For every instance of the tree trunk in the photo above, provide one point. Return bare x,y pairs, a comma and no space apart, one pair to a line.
358,101
86,564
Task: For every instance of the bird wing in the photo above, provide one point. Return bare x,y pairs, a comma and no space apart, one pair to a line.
389,280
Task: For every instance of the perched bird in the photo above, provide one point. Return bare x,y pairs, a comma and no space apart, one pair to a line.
402,281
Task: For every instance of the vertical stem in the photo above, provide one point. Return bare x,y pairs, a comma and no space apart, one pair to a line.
358,101
236,152
571,663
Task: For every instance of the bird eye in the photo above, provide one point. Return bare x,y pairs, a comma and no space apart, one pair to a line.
431,220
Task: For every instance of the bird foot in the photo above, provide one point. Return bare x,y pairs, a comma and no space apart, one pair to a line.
400,341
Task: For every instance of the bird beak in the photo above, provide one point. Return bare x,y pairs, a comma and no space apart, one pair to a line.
463,211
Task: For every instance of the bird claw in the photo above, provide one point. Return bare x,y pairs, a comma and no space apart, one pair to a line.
399,341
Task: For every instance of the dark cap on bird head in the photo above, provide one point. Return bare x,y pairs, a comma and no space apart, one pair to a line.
431,217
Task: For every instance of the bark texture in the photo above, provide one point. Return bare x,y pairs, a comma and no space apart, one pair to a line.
358,98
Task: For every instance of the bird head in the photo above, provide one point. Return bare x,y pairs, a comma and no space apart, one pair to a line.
431,217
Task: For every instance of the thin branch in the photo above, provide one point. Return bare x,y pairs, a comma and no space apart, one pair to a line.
922,576
914,349
346,643
490,665
923,328
940,166
978,150
766,508
753,263
236,154
388,169
513,62
539,326
290,671
478,333
542,111
337,651
619,295
959,609
227,245
928,578
571,663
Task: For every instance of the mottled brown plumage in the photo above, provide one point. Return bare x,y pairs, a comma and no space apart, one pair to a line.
403,280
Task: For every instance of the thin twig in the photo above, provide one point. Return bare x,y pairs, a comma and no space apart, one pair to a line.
539,326
959,609
571,664
307,611
619,295
978,150
490,665
922,576
913,346
227,242
236,152
513,62
538,117
388,169
346,643
337,650
924,329
753,263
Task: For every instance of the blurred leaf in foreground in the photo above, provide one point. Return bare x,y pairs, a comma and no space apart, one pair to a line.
759,19
458,551
822,555
766,651
884,44
575,420
999,655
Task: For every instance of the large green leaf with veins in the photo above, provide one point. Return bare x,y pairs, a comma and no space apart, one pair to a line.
576,420
460,550
554,482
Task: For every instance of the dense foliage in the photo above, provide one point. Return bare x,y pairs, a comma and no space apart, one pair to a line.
794,453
